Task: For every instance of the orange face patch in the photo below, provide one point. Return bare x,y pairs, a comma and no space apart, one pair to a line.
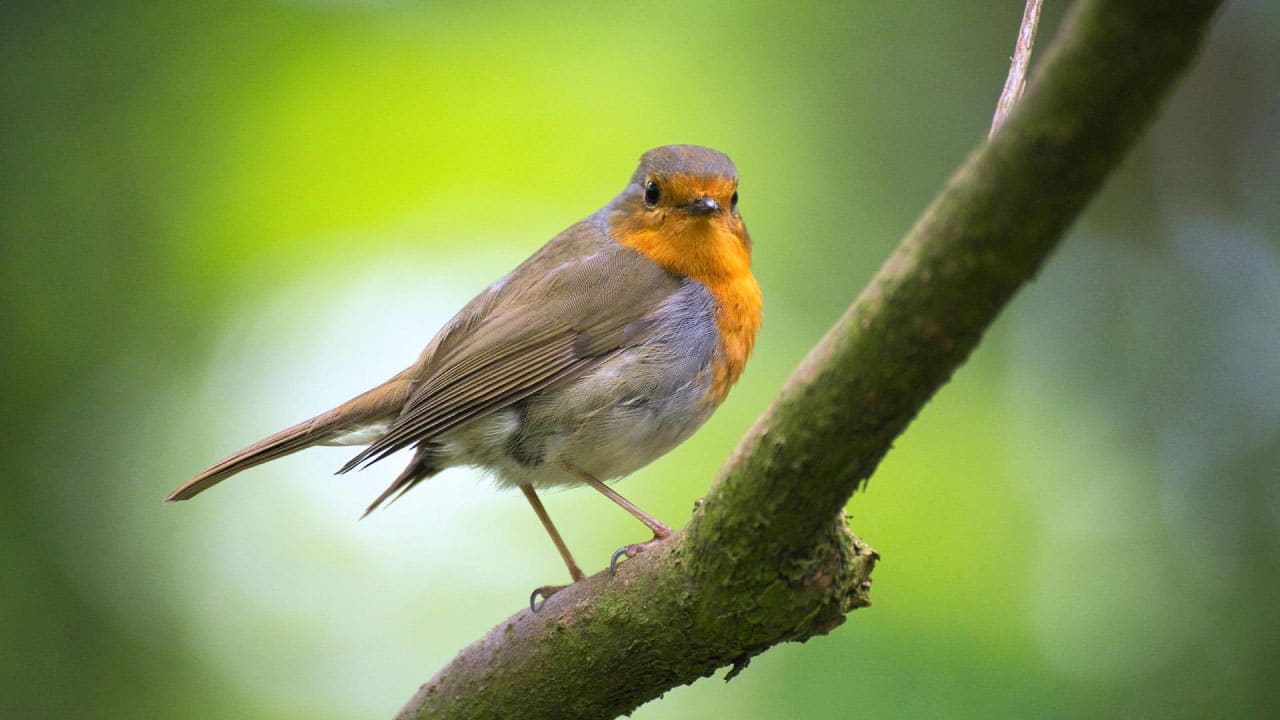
713,249
683,187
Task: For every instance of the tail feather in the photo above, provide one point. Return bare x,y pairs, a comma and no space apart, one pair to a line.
377,405
421,468
287,441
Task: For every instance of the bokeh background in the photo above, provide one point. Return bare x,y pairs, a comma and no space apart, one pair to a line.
219,220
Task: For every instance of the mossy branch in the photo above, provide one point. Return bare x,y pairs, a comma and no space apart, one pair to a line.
766,557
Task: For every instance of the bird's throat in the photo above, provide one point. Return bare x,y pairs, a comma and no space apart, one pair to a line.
705,250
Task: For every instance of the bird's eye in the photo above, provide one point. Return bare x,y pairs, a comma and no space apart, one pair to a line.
733,201
652,193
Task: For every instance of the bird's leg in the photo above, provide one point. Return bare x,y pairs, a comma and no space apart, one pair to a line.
575,572
660,531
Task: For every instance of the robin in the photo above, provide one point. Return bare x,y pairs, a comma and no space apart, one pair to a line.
607,348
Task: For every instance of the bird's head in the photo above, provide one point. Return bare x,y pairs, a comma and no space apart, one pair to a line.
681,209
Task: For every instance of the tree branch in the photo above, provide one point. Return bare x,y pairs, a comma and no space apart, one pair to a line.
766,557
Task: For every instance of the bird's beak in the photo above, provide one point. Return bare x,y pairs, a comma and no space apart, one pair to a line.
702,206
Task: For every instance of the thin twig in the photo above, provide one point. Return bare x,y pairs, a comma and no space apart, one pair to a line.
1017,79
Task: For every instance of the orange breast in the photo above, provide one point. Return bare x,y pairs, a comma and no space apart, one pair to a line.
738,320
716,253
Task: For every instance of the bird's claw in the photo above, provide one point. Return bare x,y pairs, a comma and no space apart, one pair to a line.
629,552
546,591
613,561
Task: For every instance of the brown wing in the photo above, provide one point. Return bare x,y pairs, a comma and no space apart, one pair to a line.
570,306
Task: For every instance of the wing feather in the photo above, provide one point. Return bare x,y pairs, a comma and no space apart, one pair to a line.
540,327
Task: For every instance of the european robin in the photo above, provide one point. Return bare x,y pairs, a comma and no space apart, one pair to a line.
604,350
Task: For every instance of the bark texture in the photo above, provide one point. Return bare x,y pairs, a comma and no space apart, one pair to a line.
767,557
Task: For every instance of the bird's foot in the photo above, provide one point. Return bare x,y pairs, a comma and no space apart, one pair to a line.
545,592
631,551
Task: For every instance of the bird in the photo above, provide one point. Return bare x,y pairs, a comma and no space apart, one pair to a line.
604,350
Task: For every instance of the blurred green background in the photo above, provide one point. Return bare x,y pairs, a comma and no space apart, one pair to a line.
217,221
